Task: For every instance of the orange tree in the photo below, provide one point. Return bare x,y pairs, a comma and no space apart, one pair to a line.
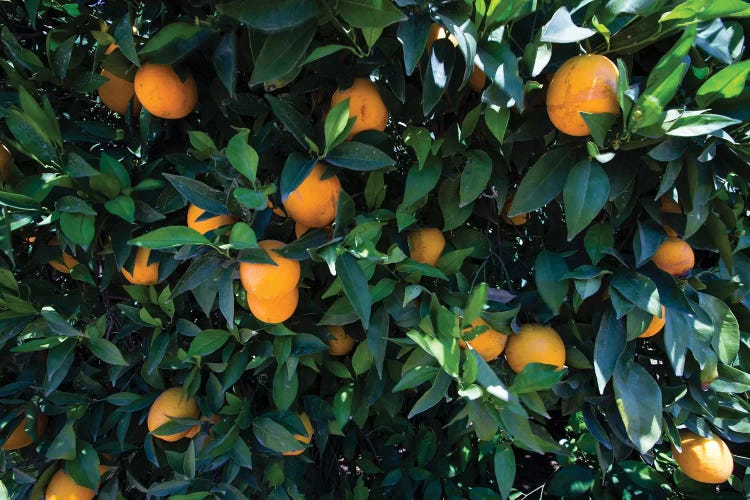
340,248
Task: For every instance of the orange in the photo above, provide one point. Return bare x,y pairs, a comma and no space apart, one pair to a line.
535,344
426,245
314,202
656,325
674,256
488,344
6,160
277,210
161,91
365,104
171,404
669,206
300,229
267,281
143,272
65,263
299,437
341,344
478,77
63,487
207,225
117,93
274,309
586,83
19,438
707,460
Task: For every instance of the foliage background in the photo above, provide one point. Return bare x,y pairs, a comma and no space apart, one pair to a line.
407,414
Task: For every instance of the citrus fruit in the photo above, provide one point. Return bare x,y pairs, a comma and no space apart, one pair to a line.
341,344
365,104
171,404
116,93
300,229
206,225
19,438
535,344
163,93
426,245
65,262
63,487
299,437
586,83
6,160
274,309
267,281
669,206
143,272
313,203
656,325
488,344
707,460
674,256
478,77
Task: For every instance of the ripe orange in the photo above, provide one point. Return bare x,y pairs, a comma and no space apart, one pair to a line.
117,93
170,404
161,91
365,104
143,272
669,206
267,281
674,256
342,344
586,83
63,487
274,309
19,438
656,325
315,201
205,226
478,77
535,344
6,160
426,245
299,437
707,460
488,344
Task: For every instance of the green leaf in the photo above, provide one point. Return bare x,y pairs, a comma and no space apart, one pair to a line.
274,436
337,125
174,42
692,124
497,121
370,13
415,377
126,43
638,289
224,59
726,84
241,155
123,207
536,377
205,197
561,29
549,269
421,181
242,236
297,124
207,342
78,228
270,15
474,304
433,395
544,180
609,345
106,351
377,337
64,445
504,465
449,200
726,338
282,52
584,195
475,176
284,388
355,287
438,74
84,469
639,402
358,156
599,241
412,33
500,64
254,200
169,237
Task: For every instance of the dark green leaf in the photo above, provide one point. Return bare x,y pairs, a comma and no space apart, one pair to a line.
282,52
549,269
358,156
544,180
585,193
355,286
169,237
638,399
